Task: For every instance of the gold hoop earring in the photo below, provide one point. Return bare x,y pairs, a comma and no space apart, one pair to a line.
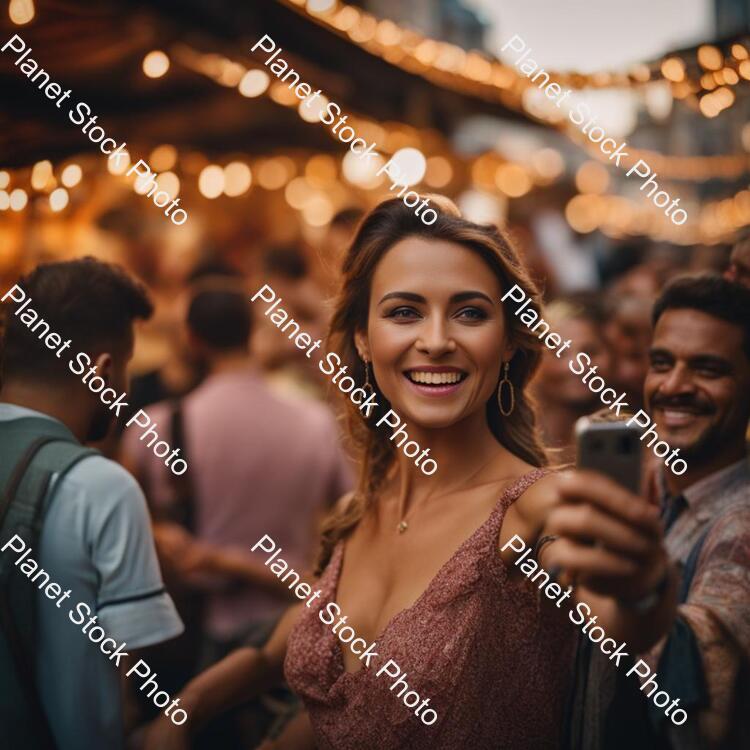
511,391
367,387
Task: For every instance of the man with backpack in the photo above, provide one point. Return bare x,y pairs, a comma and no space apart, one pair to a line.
83,517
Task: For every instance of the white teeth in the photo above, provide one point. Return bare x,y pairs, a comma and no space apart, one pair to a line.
434,378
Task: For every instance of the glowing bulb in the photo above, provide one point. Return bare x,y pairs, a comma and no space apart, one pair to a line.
548,163
4,200
321,170
271,174
21,11
512,180
163,158
254,83
673,69
118,163
298,192
592,177
237,178
155,64
709,57
309,109
71,175
169,182
211,181
40,174
408,165
363,174
4,179
318,211
58,199
18,199
439,172
320,6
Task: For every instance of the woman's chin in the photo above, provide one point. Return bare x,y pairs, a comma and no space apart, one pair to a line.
432,417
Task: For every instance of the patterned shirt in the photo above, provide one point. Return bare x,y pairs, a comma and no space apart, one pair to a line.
718,603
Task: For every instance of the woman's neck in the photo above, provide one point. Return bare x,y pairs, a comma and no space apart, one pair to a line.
462,452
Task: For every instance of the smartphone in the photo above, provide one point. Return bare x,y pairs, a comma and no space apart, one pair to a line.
612,448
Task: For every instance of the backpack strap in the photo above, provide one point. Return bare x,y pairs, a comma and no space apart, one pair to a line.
29,519
19,472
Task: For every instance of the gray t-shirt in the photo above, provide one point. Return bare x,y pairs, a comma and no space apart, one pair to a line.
96,541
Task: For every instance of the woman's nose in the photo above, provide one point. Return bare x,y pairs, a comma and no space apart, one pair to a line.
434,339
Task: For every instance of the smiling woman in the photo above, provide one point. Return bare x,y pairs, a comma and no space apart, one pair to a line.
413,559
421,566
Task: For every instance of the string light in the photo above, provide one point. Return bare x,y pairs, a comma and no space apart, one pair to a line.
58,199
673,69
41,173
592,178
21,11
119,165
18,199
155,64
163,158
320,6
71,175
254,83
211,181
471,73
439,172
4,179
169,182
237,179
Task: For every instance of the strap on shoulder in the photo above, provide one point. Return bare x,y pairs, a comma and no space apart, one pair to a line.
59,458
19,472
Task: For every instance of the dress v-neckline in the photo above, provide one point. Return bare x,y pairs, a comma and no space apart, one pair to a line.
338,560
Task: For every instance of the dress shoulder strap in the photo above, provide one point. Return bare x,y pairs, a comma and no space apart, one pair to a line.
511,493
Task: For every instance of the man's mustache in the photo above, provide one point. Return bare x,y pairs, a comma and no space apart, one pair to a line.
683,403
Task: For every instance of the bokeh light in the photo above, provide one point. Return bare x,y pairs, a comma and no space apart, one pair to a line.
254,83
18,199
155,64
71,175
58,199
237,179
211,181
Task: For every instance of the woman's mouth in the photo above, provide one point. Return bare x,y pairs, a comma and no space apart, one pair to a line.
435,381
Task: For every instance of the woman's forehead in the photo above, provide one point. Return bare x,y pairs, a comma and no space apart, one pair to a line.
433,264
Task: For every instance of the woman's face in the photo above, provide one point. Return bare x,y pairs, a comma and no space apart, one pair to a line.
436,334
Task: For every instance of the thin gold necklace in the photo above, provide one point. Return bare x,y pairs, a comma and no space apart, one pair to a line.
403,524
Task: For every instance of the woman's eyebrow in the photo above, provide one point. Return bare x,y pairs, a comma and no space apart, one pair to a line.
458,297
403,295
473,294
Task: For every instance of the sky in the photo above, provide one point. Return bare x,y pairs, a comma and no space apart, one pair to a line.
587,35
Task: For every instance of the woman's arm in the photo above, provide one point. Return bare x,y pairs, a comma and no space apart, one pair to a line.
297,735
242,675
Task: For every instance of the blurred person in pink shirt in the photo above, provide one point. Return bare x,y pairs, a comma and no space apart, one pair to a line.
258,464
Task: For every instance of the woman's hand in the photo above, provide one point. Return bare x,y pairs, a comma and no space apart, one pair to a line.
610,540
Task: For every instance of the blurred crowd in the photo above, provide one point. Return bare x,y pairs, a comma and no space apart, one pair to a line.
260,426
261,431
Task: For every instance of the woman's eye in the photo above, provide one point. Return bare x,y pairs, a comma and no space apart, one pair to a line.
403,313
471,313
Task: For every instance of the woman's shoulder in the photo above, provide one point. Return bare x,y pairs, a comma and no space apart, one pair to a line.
536,493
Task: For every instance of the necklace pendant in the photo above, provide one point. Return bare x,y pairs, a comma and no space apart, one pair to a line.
402,527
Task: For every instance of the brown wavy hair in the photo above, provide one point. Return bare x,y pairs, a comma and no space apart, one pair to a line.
387,224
